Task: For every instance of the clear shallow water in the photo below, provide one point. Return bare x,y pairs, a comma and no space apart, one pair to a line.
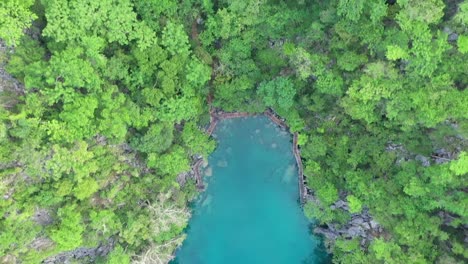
249,212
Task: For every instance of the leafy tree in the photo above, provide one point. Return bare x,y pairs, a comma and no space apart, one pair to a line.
172,163
196,141
68,234
463,44
355,206
157,139
118,256
279,92
16,16
115,95
175,39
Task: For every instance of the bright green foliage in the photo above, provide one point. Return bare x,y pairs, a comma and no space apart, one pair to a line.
395,53
15,16
175,39
407,83
70,21
350,9
171,163
85,189
118,256
68,69
157,139
68,234
329,83
18,230
460,166
279,92
115,99
78,116
355,206
104,221
463,44
28,52
101,101
425,11
462,14
198,74
327,194
114,114
77,161
349,61
196,141
387,252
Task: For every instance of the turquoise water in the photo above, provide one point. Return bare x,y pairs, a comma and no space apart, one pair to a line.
249,212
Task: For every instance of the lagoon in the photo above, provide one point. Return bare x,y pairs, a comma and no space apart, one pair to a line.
250,211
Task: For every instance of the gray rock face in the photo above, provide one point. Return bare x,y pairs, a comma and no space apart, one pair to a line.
355,231
453,37
361,225
442,156
329,234
359,221
42,217
182,178
340,204
7,82
41,243
424,160
81,253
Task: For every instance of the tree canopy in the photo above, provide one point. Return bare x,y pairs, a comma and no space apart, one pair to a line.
109,104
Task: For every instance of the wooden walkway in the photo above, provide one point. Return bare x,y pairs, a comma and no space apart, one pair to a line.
215,116
275,119
297,155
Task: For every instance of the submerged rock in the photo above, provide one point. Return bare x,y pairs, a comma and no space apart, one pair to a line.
207,201
222,163
208,171
328,233
354,231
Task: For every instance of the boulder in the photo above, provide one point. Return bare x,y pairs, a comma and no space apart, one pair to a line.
373,224
42,217
329,234
357,221
453,37
424,160
341,205
355,231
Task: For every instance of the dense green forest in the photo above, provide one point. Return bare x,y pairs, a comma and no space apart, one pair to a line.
107,107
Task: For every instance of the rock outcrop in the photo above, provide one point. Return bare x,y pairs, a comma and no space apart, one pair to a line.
361,225
85,255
